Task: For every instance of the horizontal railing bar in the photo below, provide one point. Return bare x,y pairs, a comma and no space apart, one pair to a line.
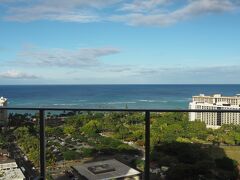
117,110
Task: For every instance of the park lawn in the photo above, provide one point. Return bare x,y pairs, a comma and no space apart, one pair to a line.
232,152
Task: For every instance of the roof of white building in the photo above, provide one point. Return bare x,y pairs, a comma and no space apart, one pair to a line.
11,171
13,174
109,169
217,96
2,100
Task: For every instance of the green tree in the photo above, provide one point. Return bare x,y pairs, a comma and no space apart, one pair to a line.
69,129
70,155
3,141
91,128
196,129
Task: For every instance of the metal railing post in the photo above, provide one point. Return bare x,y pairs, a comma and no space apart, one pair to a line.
147,146
42,145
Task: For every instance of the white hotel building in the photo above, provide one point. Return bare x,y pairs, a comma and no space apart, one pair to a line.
3,113
215,102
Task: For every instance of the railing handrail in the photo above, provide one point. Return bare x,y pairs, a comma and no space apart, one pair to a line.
147,127
119,109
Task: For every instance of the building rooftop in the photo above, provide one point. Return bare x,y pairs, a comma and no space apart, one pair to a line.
2,100
10,170
13,174
108,169
217,96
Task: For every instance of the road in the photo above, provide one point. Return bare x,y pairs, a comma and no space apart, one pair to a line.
18,155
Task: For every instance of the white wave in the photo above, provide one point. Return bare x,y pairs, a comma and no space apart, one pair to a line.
163,101
152,101
181,100
95,103
121,102
145,100
101,103
65,104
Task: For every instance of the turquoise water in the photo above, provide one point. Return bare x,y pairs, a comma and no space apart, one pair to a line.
109,96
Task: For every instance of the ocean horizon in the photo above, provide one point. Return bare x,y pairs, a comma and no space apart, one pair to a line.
111,96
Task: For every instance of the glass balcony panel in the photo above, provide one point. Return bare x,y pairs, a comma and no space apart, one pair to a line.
19,144
113,139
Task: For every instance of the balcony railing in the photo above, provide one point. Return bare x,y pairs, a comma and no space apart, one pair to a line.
147,112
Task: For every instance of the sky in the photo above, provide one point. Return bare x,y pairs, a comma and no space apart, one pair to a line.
119,42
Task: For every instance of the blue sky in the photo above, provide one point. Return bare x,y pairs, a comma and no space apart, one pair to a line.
119,41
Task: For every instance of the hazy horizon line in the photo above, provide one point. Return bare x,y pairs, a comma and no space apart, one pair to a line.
119,84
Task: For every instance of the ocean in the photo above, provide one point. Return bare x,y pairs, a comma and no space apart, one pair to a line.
109,96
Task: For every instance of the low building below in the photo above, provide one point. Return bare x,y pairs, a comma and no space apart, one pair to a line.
9,170
108,169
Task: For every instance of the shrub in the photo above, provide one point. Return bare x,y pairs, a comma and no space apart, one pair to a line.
70,155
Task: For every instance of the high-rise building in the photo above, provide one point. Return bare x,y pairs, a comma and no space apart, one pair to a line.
215,102
3,113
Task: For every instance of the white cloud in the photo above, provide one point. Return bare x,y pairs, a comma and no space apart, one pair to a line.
84,57
143,5
190,10
166,75
58,10
65,17
221,70
13,74
178,75
132,12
